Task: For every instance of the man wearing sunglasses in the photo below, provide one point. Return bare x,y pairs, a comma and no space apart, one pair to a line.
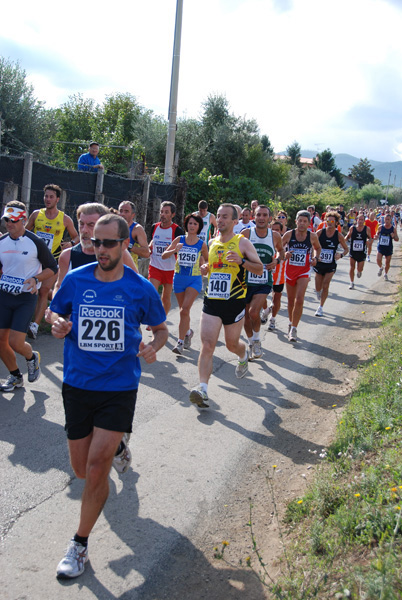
25,261
98,310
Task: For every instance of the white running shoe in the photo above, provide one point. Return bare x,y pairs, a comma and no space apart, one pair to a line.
368,259
242,367
271,324
358,274
319,312
187,339
199,397
289,327
292,334
380,270
73,563
178,349
318,294
122,461
352,286
32,332
386,277
34,367
256,350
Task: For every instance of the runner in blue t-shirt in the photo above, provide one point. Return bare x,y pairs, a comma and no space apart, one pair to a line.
98,310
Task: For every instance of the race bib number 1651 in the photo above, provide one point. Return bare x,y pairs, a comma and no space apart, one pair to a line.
101,328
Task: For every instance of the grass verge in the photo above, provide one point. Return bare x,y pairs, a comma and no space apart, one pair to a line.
343,538
346,532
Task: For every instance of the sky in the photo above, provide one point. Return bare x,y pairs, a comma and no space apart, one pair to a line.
324,74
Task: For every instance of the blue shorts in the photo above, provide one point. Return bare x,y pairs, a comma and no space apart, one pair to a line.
257,289
16,311
182,282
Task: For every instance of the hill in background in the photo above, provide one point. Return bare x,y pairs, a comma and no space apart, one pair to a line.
344,162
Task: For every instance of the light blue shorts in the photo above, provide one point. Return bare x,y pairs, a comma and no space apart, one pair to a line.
182,282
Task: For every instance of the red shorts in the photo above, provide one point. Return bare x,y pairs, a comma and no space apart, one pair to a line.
293,282
161,276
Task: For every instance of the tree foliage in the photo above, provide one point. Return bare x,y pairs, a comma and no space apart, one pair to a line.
362,172
25,123
315,180
325,161
293,153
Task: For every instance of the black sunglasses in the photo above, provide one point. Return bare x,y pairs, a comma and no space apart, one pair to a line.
106,243
7,219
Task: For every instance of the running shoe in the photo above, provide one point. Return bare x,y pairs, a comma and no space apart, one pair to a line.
187,339
318,294
380,270
271,324
264,314
179,348
73,563
352,286
319,312
122,461
199,397
32,332
386,277
358,274
256,351
12,382
368,259
242,367
292,334
34,367
289,327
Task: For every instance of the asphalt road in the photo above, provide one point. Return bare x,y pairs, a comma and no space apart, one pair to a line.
184,461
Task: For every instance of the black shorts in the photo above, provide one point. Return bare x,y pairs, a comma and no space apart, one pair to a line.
278,289
16,311
358,256
229,311
257,289
322,269
86,409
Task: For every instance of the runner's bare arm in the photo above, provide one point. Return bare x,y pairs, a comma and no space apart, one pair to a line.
72,232
31,221
172,248
148,351
251,260
139,236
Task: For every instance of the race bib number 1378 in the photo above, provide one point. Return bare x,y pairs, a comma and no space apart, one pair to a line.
101,328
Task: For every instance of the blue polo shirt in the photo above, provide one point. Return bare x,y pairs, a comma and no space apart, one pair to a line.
87,161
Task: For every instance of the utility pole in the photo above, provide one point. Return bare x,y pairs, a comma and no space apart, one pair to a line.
174,85
386,196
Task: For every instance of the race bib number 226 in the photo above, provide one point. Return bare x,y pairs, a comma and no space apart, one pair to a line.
101,328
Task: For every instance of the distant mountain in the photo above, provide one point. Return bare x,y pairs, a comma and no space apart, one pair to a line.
344,162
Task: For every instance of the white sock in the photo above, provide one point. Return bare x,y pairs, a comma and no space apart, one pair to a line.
250,340
244,358
204,387
188,332
256,336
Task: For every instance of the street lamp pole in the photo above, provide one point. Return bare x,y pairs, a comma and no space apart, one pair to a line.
174,85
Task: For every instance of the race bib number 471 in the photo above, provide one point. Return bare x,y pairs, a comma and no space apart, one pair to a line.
101,328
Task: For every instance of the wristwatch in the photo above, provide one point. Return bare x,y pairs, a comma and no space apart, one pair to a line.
243,260
36,280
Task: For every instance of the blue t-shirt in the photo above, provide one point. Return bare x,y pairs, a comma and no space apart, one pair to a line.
100,352
86,162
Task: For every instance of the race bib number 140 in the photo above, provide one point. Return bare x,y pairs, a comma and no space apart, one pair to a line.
101,328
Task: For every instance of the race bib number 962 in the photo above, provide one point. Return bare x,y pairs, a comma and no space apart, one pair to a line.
101,328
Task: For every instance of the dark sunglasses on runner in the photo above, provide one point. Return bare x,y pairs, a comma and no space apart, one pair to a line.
106,243
281,217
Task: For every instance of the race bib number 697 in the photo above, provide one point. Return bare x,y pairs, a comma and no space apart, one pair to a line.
101,328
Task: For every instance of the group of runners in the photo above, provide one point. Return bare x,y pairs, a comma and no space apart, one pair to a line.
99,303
